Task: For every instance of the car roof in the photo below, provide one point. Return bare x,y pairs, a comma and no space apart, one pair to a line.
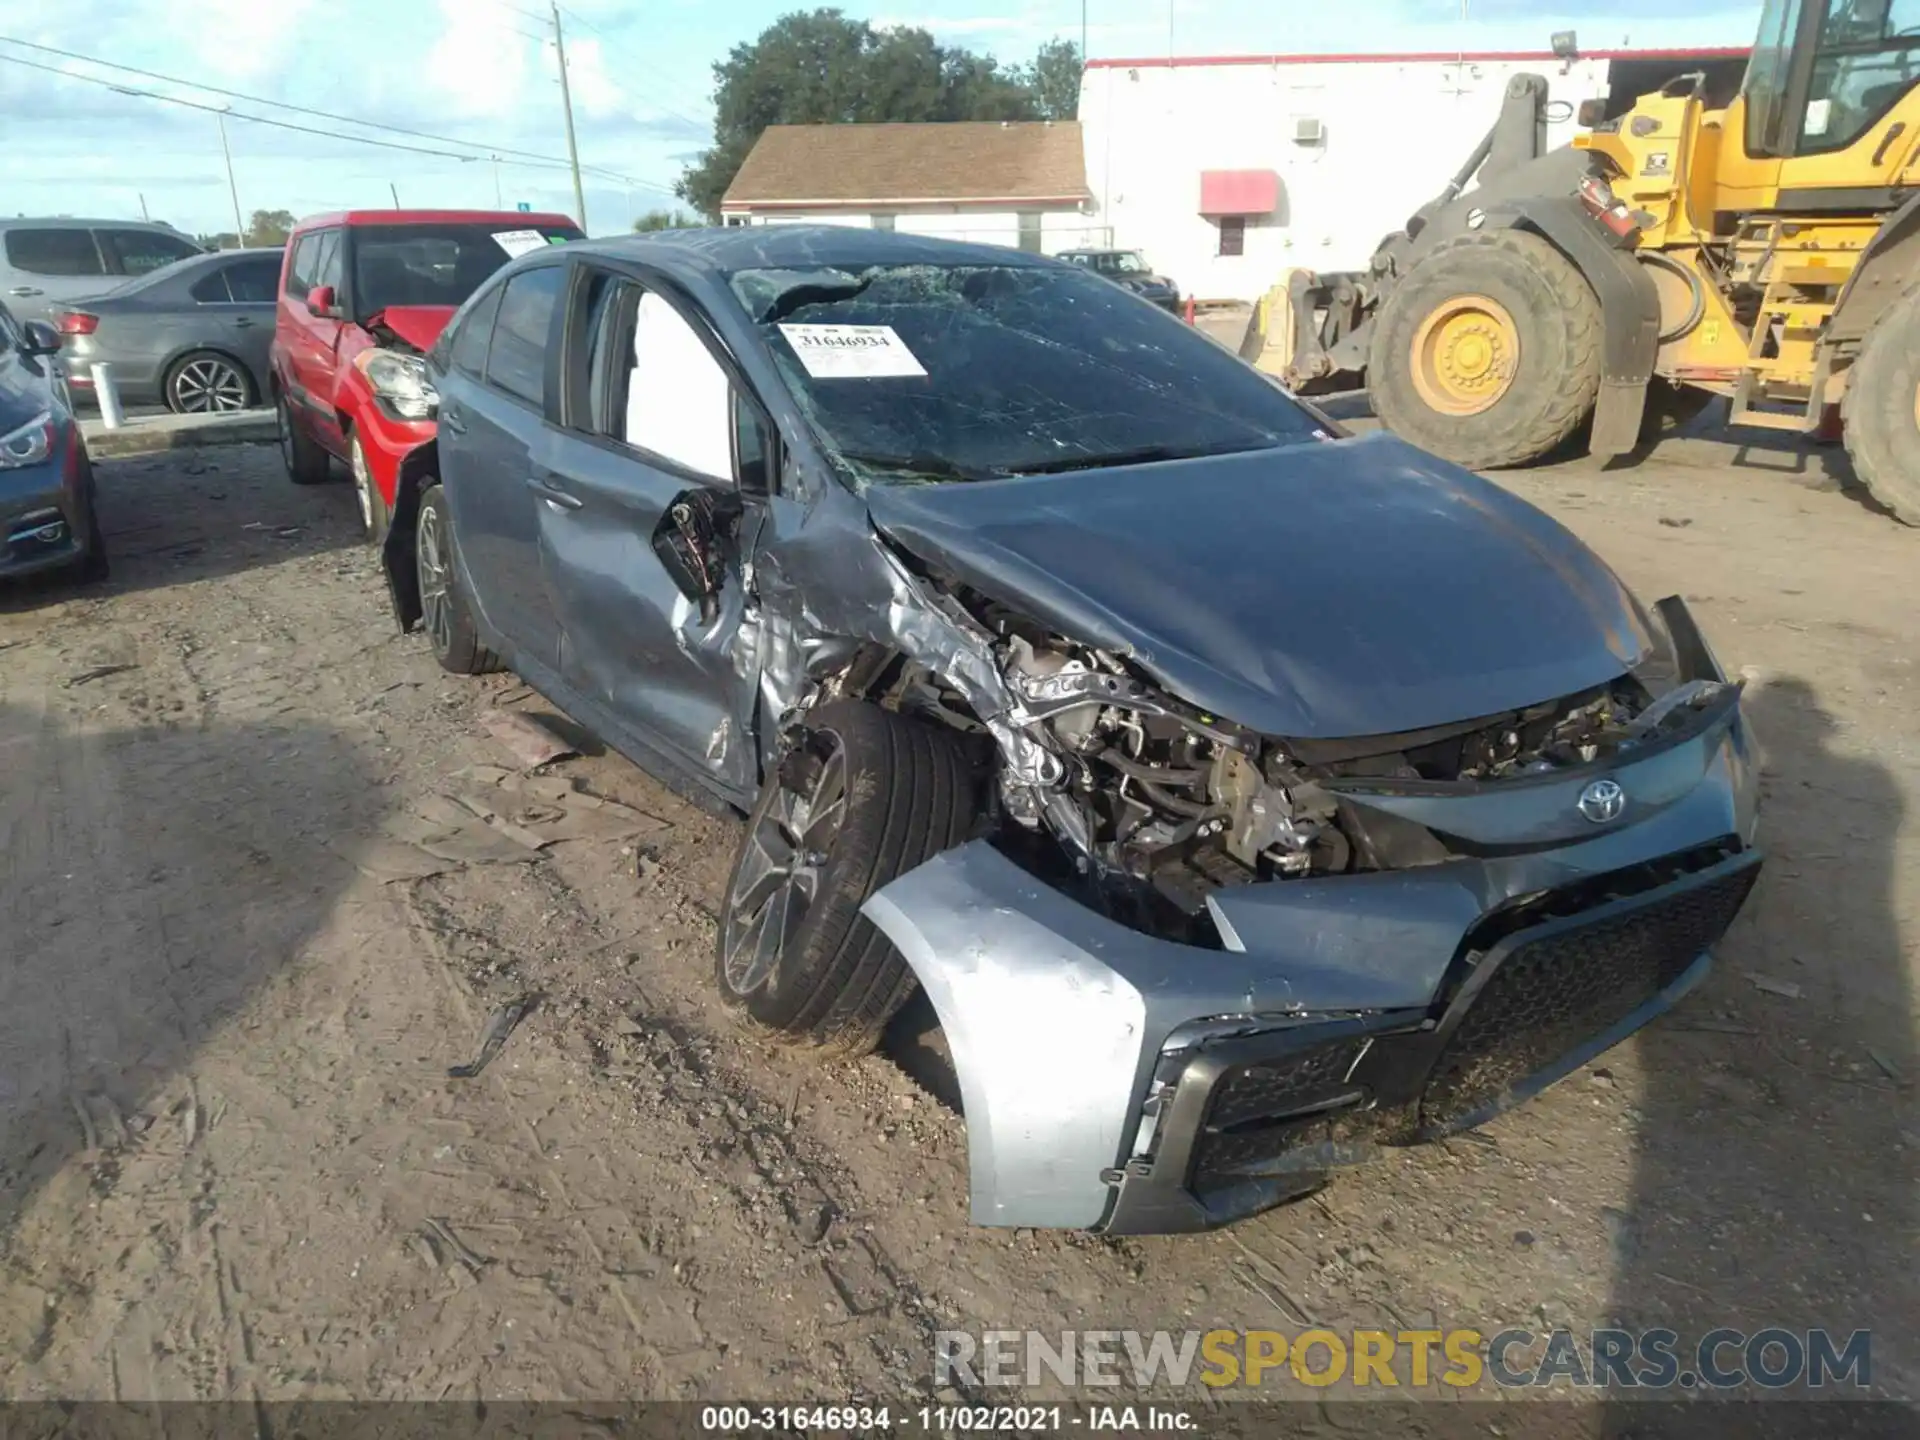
519,218
1100,250
83,222
788,247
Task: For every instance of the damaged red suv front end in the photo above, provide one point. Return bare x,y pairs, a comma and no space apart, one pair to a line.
363,296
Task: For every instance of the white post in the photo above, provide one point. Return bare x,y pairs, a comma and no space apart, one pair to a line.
108,396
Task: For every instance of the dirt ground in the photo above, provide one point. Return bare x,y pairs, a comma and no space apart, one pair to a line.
234,1163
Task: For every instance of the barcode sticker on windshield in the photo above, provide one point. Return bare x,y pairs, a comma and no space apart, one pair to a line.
518,242
851,352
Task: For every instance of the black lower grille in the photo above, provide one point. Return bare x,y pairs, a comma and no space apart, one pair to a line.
1255,1116
1555,993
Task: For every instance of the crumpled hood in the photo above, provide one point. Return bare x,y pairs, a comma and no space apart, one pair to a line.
418,325
1324,590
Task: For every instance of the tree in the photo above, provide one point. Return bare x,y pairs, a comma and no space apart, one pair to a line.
664,220
269,227
820,67
218,240
1054,79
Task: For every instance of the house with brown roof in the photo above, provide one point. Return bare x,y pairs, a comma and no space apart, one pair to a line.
1016,183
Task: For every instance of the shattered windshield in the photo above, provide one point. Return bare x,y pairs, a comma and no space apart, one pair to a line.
968,372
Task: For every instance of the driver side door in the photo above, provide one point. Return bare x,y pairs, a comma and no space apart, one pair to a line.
646,519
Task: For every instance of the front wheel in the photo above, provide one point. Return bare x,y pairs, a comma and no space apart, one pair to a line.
865,796
374,515
445,612
1488,353
305,460
1882,410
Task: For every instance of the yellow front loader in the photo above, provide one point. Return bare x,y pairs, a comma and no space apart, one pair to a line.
1767,251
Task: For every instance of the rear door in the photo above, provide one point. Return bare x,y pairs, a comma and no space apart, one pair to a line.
310,342
644,466
495,445
236,300
49,266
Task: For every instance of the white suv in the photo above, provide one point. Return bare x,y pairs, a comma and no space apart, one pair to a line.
46,263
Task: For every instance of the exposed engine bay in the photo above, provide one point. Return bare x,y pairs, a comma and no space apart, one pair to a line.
1144,804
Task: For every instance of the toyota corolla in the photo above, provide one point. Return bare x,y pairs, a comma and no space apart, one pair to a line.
1243,795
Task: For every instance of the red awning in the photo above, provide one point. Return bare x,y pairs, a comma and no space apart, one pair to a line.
1239,192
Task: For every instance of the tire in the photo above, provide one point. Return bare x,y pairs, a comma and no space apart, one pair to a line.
1881,409
1488,353
375,518
93,567
828,977
205,382
305,460
446,615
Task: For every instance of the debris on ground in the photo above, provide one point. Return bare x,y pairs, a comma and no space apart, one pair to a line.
1786,989
500,1025
525,738
98,672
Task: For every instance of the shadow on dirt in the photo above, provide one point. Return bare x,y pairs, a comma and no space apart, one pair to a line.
187,515
1776,1144
155,880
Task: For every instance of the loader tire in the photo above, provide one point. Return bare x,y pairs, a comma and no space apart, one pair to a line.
1488,353
1881,409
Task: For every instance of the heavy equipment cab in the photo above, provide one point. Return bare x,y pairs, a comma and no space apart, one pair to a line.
1767,251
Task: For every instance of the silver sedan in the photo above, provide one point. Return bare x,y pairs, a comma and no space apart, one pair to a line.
192,336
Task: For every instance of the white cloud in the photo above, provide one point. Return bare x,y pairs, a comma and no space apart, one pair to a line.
479,66
241,40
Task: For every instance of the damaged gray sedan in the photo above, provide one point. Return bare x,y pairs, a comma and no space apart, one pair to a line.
1242,795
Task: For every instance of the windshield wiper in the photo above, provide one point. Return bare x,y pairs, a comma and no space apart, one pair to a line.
934,467
1145,455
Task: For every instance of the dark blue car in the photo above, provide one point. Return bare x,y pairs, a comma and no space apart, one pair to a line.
47,517
1242,795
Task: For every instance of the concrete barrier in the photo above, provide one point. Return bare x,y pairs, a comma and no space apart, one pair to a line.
150,434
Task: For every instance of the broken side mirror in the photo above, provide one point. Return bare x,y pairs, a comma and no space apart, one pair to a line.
694,539
320,301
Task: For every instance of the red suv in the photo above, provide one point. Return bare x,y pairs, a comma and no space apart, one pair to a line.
363,294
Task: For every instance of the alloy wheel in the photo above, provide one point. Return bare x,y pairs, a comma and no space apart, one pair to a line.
362,486
436,579
209,386
787,847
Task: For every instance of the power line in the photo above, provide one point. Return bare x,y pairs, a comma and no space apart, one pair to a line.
504,155
504,151
608,43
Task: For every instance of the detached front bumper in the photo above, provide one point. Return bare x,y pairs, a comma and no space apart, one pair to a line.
384,439
1117,1081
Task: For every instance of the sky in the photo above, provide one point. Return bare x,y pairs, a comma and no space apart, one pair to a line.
482,74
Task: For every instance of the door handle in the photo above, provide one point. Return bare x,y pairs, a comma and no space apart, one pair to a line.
26,290
243,323
451,419
553,494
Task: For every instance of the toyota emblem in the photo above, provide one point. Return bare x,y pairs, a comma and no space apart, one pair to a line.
1602,801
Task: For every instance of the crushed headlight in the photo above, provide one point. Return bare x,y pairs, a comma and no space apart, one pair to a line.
400,383
29,445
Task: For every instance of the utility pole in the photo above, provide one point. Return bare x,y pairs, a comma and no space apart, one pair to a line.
499,202
394,190
1083,32
239,225
143,207
566,104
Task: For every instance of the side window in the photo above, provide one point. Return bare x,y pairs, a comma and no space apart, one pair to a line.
135,252
306,255
1868,54
327,267
469,353
679,402
517,361
252,282
211,288
54,252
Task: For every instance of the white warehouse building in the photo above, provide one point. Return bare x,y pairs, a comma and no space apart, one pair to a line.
1228,170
